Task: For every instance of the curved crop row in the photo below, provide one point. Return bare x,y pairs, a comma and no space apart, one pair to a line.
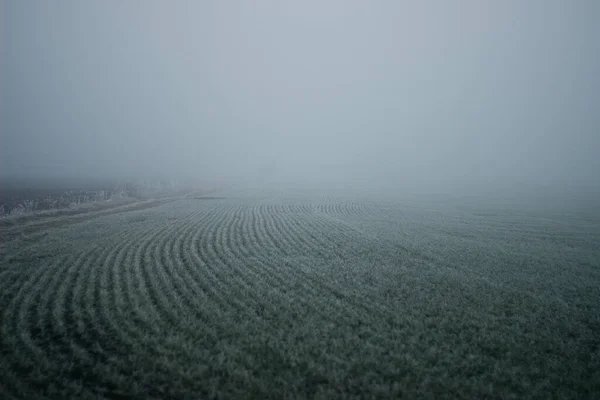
167,289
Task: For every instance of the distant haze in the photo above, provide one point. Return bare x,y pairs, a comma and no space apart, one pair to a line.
420,94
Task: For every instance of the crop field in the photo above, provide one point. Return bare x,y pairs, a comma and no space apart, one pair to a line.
275,295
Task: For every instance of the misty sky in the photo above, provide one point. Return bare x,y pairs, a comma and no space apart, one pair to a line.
428,92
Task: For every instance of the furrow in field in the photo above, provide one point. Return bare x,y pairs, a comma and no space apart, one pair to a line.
338,207
76,338
125,308
123,292
199,264
110,295
287,226
260,263
204,301
66,325
301,248
23,351
195,306
250,260
275,230
156,279
270,266
346,207
260,255
56,319
335,206
321,231
228,250
307,232
364,208
248,248
321,205
267,232
88,357
300,287
10,282
221,255
258,237
245,247
244,270
74,320
354,208
101,331
292,290
171,261
241,263
351,307
312,286
179,276
64,339
267,238
377,210
217,277
139,317
210,275
349,232
298,208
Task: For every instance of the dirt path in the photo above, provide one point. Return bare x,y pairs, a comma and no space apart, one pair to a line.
13,228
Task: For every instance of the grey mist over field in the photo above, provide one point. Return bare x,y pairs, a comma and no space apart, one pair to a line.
300,198
430,96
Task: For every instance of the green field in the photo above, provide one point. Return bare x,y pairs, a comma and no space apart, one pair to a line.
268,295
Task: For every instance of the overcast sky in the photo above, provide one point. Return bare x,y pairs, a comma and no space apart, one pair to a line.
402,92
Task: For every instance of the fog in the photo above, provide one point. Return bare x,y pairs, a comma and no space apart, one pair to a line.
422,95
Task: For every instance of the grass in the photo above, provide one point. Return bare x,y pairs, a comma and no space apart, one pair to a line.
19,203
252,297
